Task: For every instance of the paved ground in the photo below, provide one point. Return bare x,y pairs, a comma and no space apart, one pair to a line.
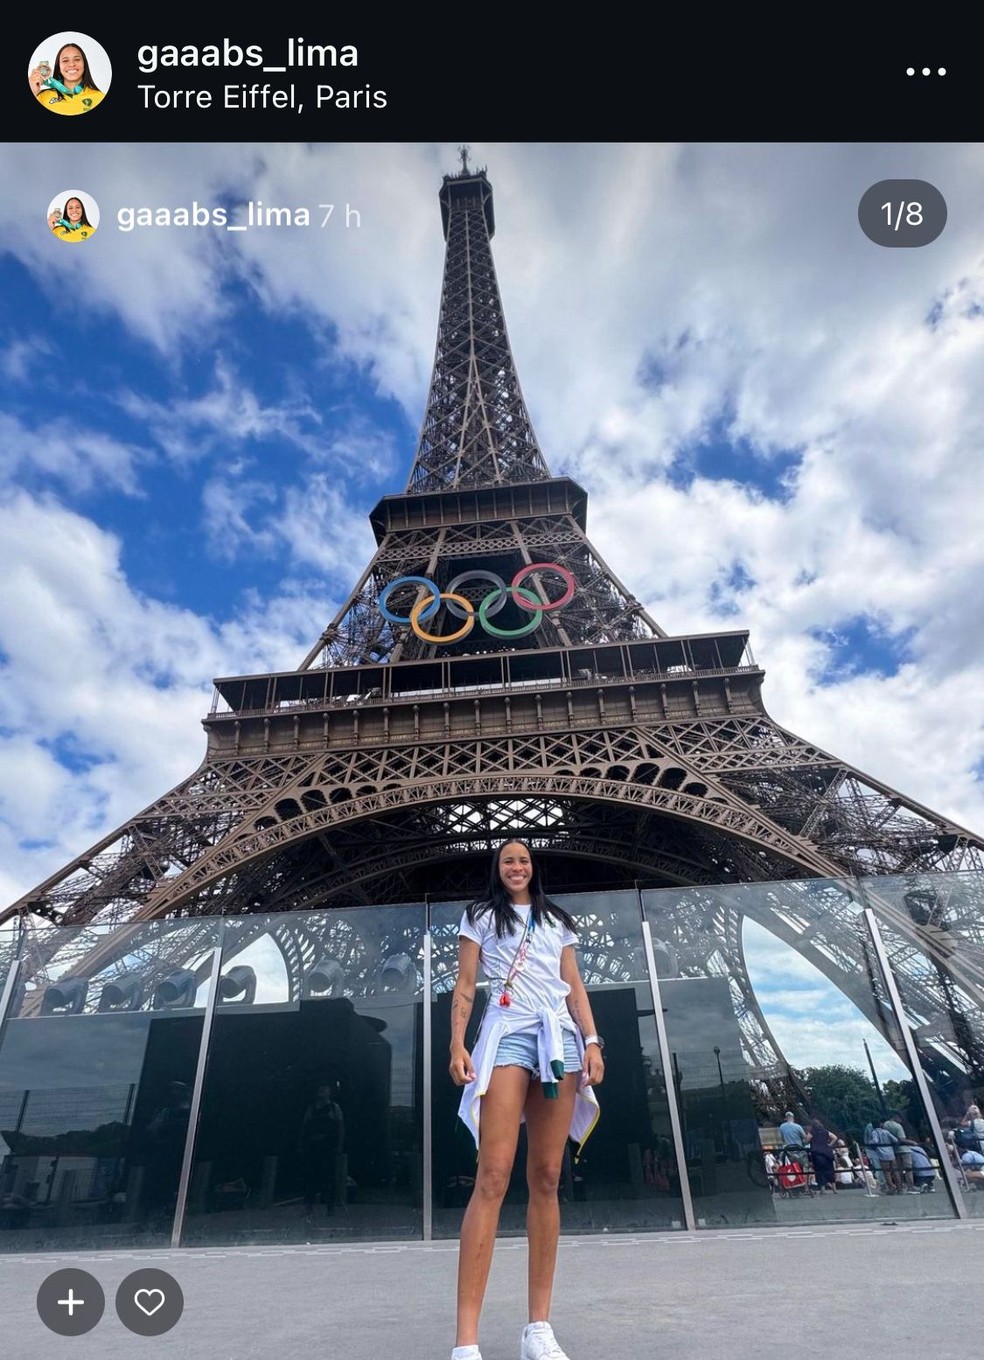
908,1290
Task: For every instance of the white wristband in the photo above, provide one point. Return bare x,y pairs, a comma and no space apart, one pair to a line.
592,1039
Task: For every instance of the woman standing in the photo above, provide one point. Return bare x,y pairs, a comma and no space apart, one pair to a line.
537,1058
822,1155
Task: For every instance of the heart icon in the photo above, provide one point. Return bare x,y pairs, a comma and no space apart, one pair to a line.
148,1294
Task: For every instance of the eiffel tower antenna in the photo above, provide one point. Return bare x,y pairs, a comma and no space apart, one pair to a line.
476,429
489,675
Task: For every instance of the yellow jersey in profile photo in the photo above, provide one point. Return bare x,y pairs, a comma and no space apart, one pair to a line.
82,102
74,237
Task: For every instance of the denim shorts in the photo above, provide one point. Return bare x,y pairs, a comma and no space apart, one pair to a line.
520,1050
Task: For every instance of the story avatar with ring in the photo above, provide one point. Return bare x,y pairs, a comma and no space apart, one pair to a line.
71,223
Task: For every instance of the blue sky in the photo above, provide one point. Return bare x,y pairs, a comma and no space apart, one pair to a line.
777,422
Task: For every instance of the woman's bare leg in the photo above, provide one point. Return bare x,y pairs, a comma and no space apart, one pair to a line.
548,1124
502,1108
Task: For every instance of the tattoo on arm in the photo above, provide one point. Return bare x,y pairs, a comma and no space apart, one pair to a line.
461,1009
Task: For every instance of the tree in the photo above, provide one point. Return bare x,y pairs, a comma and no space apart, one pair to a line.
843,1098
904,1097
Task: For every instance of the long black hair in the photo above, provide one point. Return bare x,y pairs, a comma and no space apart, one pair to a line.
86,82
498,902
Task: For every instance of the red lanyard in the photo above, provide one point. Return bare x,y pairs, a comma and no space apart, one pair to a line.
520,958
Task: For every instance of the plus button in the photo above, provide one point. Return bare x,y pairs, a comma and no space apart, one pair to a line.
71,1303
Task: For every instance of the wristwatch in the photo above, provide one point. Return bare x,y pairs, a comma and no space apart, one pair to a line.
594,1039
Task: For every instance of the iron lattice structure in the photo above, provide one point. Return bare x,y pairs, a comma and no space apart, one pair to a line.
407,742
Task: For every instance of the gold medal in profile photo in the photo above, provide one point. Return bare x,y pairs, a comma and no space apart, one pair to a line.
73,216
69,73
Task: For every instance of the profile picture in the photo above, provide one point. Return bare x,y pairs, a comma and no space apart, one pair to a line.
73,216
69,73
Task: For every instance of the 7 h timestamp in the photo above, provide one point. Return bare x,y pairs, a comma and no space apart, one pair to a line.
352,215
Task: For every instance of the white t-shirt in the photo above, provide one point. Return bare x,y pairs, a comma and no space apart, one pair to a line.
537,984
538,1006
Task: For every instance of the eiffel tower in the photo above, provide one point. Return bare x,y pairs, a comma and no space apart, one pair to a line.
490,675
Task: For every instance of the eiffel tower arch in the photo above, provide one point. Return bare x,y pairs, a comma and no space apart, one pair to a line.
490,675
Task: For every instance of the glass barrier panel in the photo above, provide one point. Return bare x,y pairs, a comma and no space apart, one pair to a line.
97,1068
311,1124
772,999
932,926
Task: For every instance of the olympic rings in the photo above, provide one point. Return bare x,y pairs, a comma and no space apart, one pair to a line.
461,607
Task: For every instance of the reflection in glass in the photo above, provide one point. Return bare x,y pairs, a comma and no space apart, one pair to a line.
773,998
311,1120
97,1065
932,927
719,1106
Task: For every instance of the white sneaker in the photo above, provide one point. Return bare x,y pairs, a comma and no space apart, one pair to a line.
539,1343
466,1353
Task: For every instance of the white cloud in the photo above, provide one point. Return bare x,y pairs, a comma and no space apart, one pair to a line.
103,690
320,530
188,428
226,502
807,1042
69,453
22,356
